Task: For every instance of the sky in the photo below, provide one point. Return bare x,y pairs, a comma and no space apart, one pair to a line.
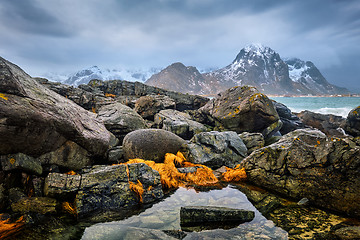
63,36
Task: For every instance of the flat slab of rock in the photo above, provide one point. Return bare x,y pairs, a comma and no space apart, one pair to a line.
205,214
106,188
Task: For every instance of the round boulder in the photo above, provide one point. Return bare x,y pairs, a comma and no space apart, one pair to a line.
151,144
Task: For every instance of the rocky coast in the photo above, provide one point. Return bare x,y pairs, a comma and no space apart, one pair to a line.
110,149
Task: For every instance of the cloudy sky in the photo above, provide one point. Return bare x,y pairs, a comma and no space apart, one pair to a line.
68,35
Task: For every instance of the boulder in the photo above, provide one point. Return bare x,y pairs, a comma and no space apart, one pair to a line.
116,154
151,144
148,106
190,215
252,141
179,123
290,121
352,125
21,162
215,149
69,156
242,109
305,163
36,120
120,119
107,188
329,124
40,205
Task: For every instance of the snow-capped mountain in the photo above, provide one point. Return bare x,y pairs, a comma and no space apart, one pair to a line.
94,72
255,65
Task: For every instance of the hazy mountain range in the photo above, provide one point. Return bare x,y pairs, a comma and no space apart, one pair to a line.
255,65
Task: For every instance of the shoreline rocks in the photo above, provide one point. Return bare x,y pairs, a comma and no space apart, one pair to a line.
242,109
305,163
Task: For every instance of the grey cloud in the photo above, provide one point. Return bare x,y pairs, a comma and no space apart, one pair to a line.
204,33
27,16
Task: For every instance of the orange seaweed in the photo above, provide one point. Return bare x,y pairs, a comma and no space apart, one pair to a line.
138,189
10,229
234,174
70,208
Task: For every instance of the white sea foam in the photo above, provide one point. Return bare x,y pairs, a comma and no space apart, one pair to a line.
343,112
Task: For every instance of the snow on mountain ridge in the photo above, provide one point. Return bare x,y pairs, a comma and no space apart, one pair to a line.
94,72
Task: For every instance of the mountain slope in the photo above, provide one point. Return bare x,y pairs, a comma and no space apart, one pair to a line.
177,77
255,65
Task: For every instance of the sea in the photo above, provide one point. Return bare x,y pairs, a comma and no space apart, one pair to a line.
340,106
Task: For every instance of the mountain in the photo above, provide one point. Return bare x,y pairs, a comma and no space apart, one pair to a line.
180,78
255,65
307,75
94,72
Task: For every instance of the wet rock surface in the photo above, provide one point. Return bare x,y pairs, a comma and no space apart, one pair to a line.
352,125
329,124
179,123
215,149
290,121
305,163
241,109
151,144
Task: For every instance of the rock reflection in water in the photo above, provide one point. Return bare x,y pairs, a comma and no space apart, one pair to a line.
165,215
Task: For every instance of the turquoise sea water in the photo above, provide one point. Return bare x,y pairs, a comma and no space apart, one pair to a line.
340,106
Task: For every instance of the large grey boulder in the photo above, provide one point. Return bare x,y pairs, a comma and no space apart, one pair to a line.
179,123
107,188
148,106
120,119
215,149
242,109
307,164
151,144
35,120
290,121
329,124
352,125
